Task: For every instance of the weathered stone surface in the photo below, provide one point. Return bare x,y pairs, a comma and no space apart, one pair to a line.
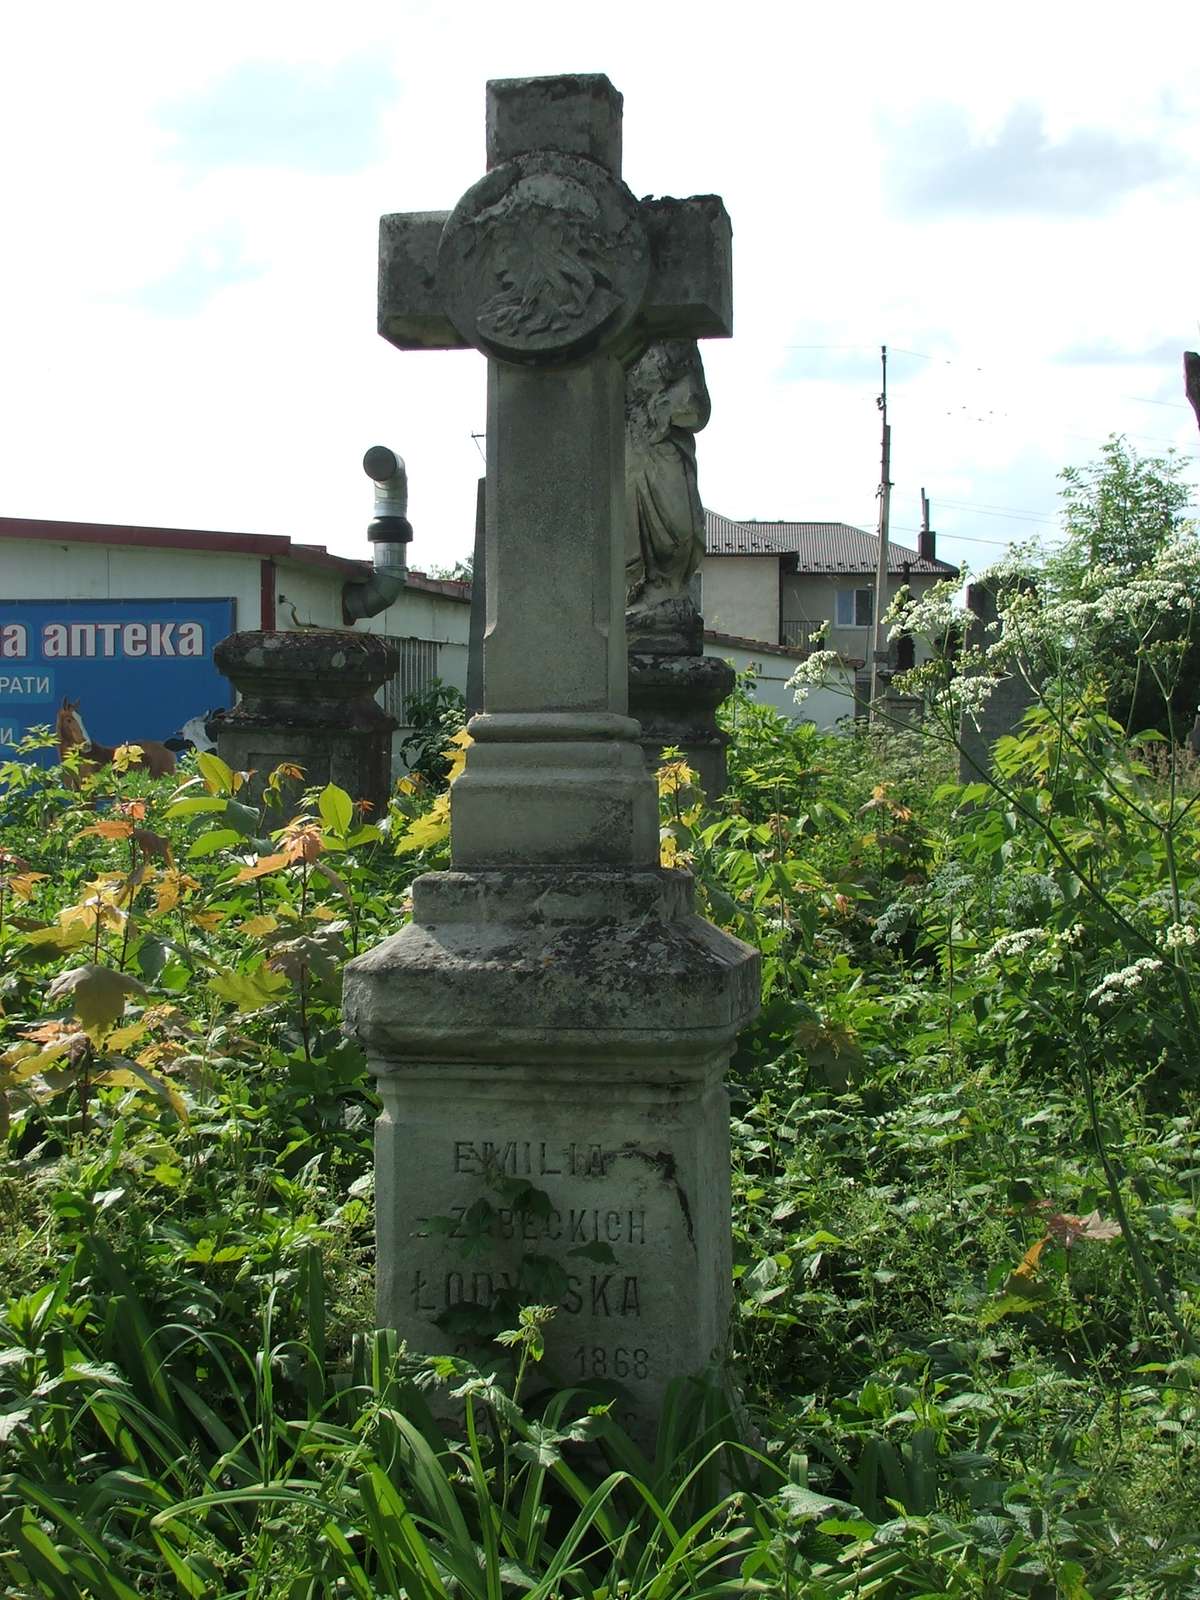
691,285
555,1012
575,112
510,966
410,308
555,638
1008,701
544,260
666,405
308,697
675,699
526,798
478,604
674,689
569,1029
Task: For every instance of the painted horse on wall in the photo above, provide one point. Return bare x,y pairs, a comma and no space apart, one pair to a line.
73,735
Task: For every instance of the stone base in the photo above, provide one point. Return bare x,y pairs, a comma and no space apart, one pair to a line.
308,697
675,698
568,1030
667,627
560,788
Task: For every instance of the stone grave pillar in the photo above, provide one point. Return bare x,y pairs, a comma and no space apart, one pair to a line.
674,688
1008,702
555,1013
308,696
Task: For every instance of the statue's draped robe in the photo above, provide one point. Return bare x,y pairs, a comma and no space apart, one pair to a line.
665,526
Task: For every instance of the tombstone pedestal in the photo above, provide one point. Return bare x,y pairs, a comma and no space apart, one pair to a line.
675,698
308,697
570,1028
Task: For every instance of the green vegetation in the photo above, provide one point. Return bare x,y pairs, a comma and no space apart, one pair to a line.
967,1298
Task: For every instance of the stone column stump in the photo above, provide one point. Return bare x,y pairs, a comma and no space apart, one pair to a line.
308,696
674,692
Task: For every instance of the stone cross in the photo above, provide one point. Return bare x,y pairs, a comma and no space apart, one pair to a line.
555,1014
553,269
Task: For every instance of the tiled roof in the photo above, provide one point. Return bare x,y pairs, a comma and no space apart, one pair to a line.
817,546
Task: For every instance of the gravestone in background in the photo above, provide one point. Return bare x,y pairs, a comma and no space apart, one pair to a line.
674,688
308,697
555,1013
1004,707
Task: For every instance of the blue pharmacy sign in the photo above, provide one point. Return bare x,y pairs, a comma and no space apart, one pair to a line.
139,668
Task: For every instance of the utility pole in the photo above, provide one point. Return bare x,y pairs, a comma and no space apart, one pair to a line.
879,653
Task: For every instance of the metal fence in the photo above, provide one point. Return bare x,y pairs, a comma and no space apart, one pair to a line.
418,669
797,632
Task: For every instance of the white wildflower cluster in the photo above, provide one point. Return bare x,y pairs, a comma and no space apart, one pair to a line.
930,616
1011,944
1029,896
1071,938
951,882
1117,986
1164,900
1179,936
813,673
1045,960
893,921
969,694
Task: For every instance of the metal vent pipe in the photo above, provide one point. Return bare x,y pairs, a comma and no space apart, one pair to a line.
389,532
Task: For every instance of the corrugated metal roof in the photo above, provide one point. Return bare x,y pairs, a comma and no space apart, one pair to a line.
817,546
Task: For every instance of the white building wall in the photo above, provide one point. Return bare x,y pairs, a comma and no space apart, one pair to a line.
826,706
315,594
812,597
35,570
419,615
740,594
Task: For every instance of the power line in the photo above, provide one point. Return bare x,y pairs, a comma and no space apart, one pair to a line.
1008,516
988,505
961,538
966,361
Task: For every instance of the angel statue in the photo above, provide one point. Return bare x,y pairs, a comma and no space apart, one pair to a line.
666,405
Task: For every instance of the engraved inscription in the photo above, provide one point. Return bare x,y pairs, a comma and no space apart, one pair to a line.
573,1226
531,1158
598,1294
600,1361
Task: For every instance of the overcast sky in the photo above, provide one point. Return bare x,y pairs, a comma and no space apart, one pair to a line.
1009,198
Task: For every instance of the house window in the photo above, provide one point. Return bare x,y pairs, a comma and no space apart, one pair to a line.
855,608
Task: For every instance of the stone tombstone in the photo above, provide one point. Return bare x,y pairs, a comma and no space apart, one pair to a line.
309,697
674,688
551,1028
1004,707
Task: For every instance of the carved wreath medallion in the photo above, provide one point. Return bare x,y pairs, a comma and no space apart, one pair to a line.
544,260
